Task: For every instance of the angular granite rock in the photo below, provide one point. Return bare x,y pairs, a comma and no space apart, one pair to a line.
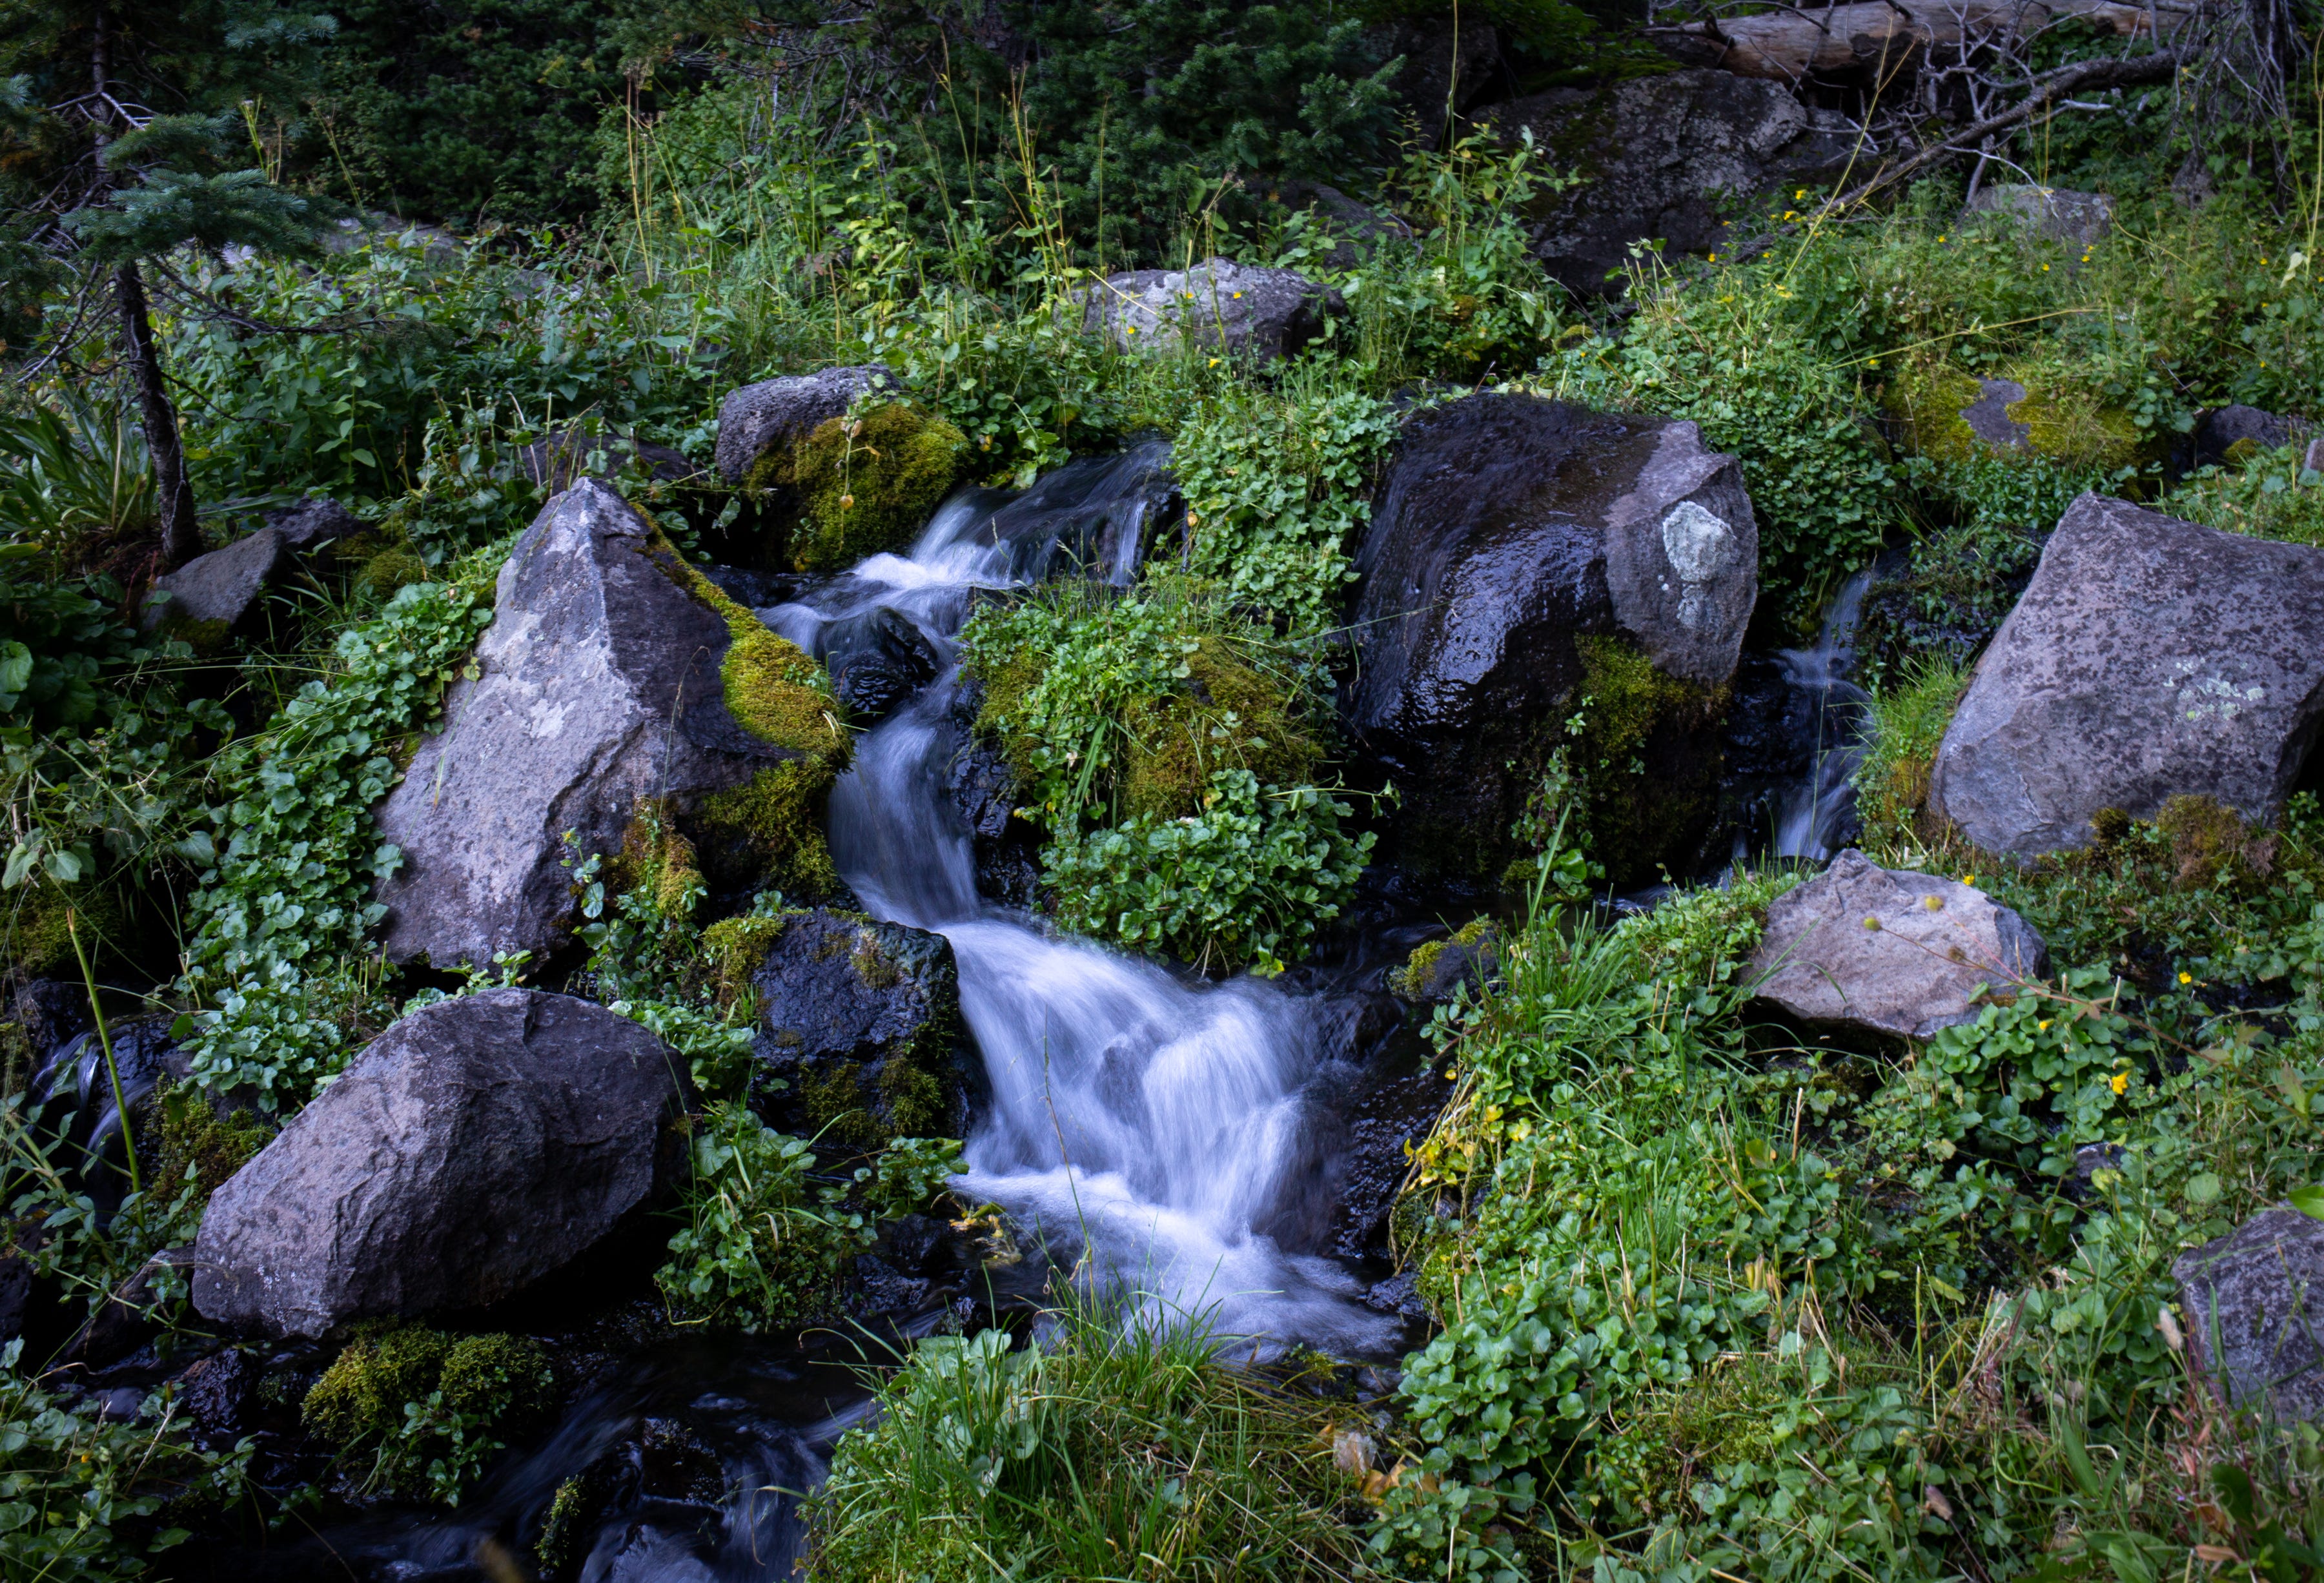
2253,1302
1860,946
1508,529
2148,658
210,593
476,1146
599,687
1243,309
773,413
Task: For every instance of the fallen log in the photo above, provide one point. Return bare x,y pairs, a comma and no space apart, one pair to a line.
1878,38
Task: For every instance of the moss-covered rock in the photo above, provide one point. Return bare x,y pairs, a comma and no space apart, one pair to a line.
1644,759
2031,409
1437,969
868,483
361,1397
1229,715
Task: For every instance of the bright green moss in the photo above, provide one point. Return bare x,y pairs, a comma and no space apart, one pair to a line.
35,940
1229,716
868,483
191,1137
502,1378
1411,981
769,831
736,948
1924,401
2068,424
359,1397
913,1099
389,570
1645,787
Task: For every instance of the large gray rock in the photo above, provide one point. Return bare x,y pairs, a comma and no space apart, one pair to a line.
861,1020
2078,218
2254,1306
476,1146
1890,951
599,686
770,414
211,594
1661,157
2148,658
1507,529
1243,309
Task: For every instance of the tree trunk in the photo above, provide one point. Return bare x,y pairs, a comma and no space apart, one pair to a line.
173,493
1877,39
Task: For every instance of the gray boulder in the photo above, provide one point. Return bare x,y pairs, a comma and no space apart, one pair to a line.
314,522
560,460
2254,1306
2148,658
210,594
1242,309
2078,218
599,685
770,414
476,1146
1889,951
861,1020
1661,157
2221,428
1510,529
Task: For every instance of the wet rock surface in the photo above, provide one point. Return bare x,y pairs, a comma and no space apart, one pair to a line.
1510,528
1887,951
599,687
2254,1301
1243,309
983,789
772,414
2148,658
878,661
478,1144
1665,155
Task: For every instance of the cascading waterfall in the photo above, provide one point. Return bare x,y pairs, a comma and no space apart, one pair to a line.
1138,1122
1813,810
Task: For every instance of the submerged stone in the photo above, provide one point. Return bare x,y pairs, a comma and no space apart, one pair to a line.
2149,658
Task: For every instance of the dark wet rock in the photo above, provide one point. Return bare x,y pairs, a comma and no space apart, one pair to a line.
772,414
1888,951
862,1021
314,522
600,686
983,789
2252,1303
2149,658
1093,517
884,1289
1438,969
667,1475
558,461
755,589
46,1013
476,1146
1664,156
878,661
1446,65
74,1089
1511,532
1399,1294
210,594
1244,310
2219,431
2078,218
219,1395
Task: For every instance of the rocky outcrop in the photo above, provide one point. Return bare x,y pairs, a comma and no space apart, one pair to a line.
1888,951
1243,309
1661,157
2149,658
2078,218
209,596
861,1021
1520,547
773,415
476,1146
2254,1308
600,684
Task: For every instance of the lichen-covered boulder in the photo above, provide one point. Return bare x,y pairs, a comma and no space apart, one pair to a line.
1243,309
209,596
2253,1307
2021,409
764,421
2149,658
2079,218
1888,951
476,1146
1664,155
612,672
859,1019
1525,554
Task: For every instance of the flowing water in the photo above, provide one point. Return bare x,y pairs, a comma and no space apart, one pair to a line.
1821,803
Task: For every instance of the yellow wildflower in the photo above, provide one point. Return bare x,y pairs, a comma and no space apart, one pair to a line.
2186,978
2119,1082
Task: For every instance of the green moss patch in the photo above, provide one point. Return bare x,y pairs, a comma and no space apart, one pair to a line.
1229,716
1647,782
867,484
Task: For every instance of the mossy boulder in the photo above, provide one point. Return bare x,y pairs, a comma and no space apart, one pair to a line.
861,1021
868,483
2026,408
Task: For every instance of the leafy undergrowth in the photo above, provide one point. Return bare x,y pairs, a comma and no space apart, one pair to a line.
1093,1452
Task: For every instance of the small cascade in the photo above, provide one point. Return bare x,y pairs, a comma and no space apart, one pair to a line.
1821,804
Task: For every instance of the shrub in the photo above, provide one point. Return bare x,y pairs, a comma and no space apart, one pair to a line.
1904,727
